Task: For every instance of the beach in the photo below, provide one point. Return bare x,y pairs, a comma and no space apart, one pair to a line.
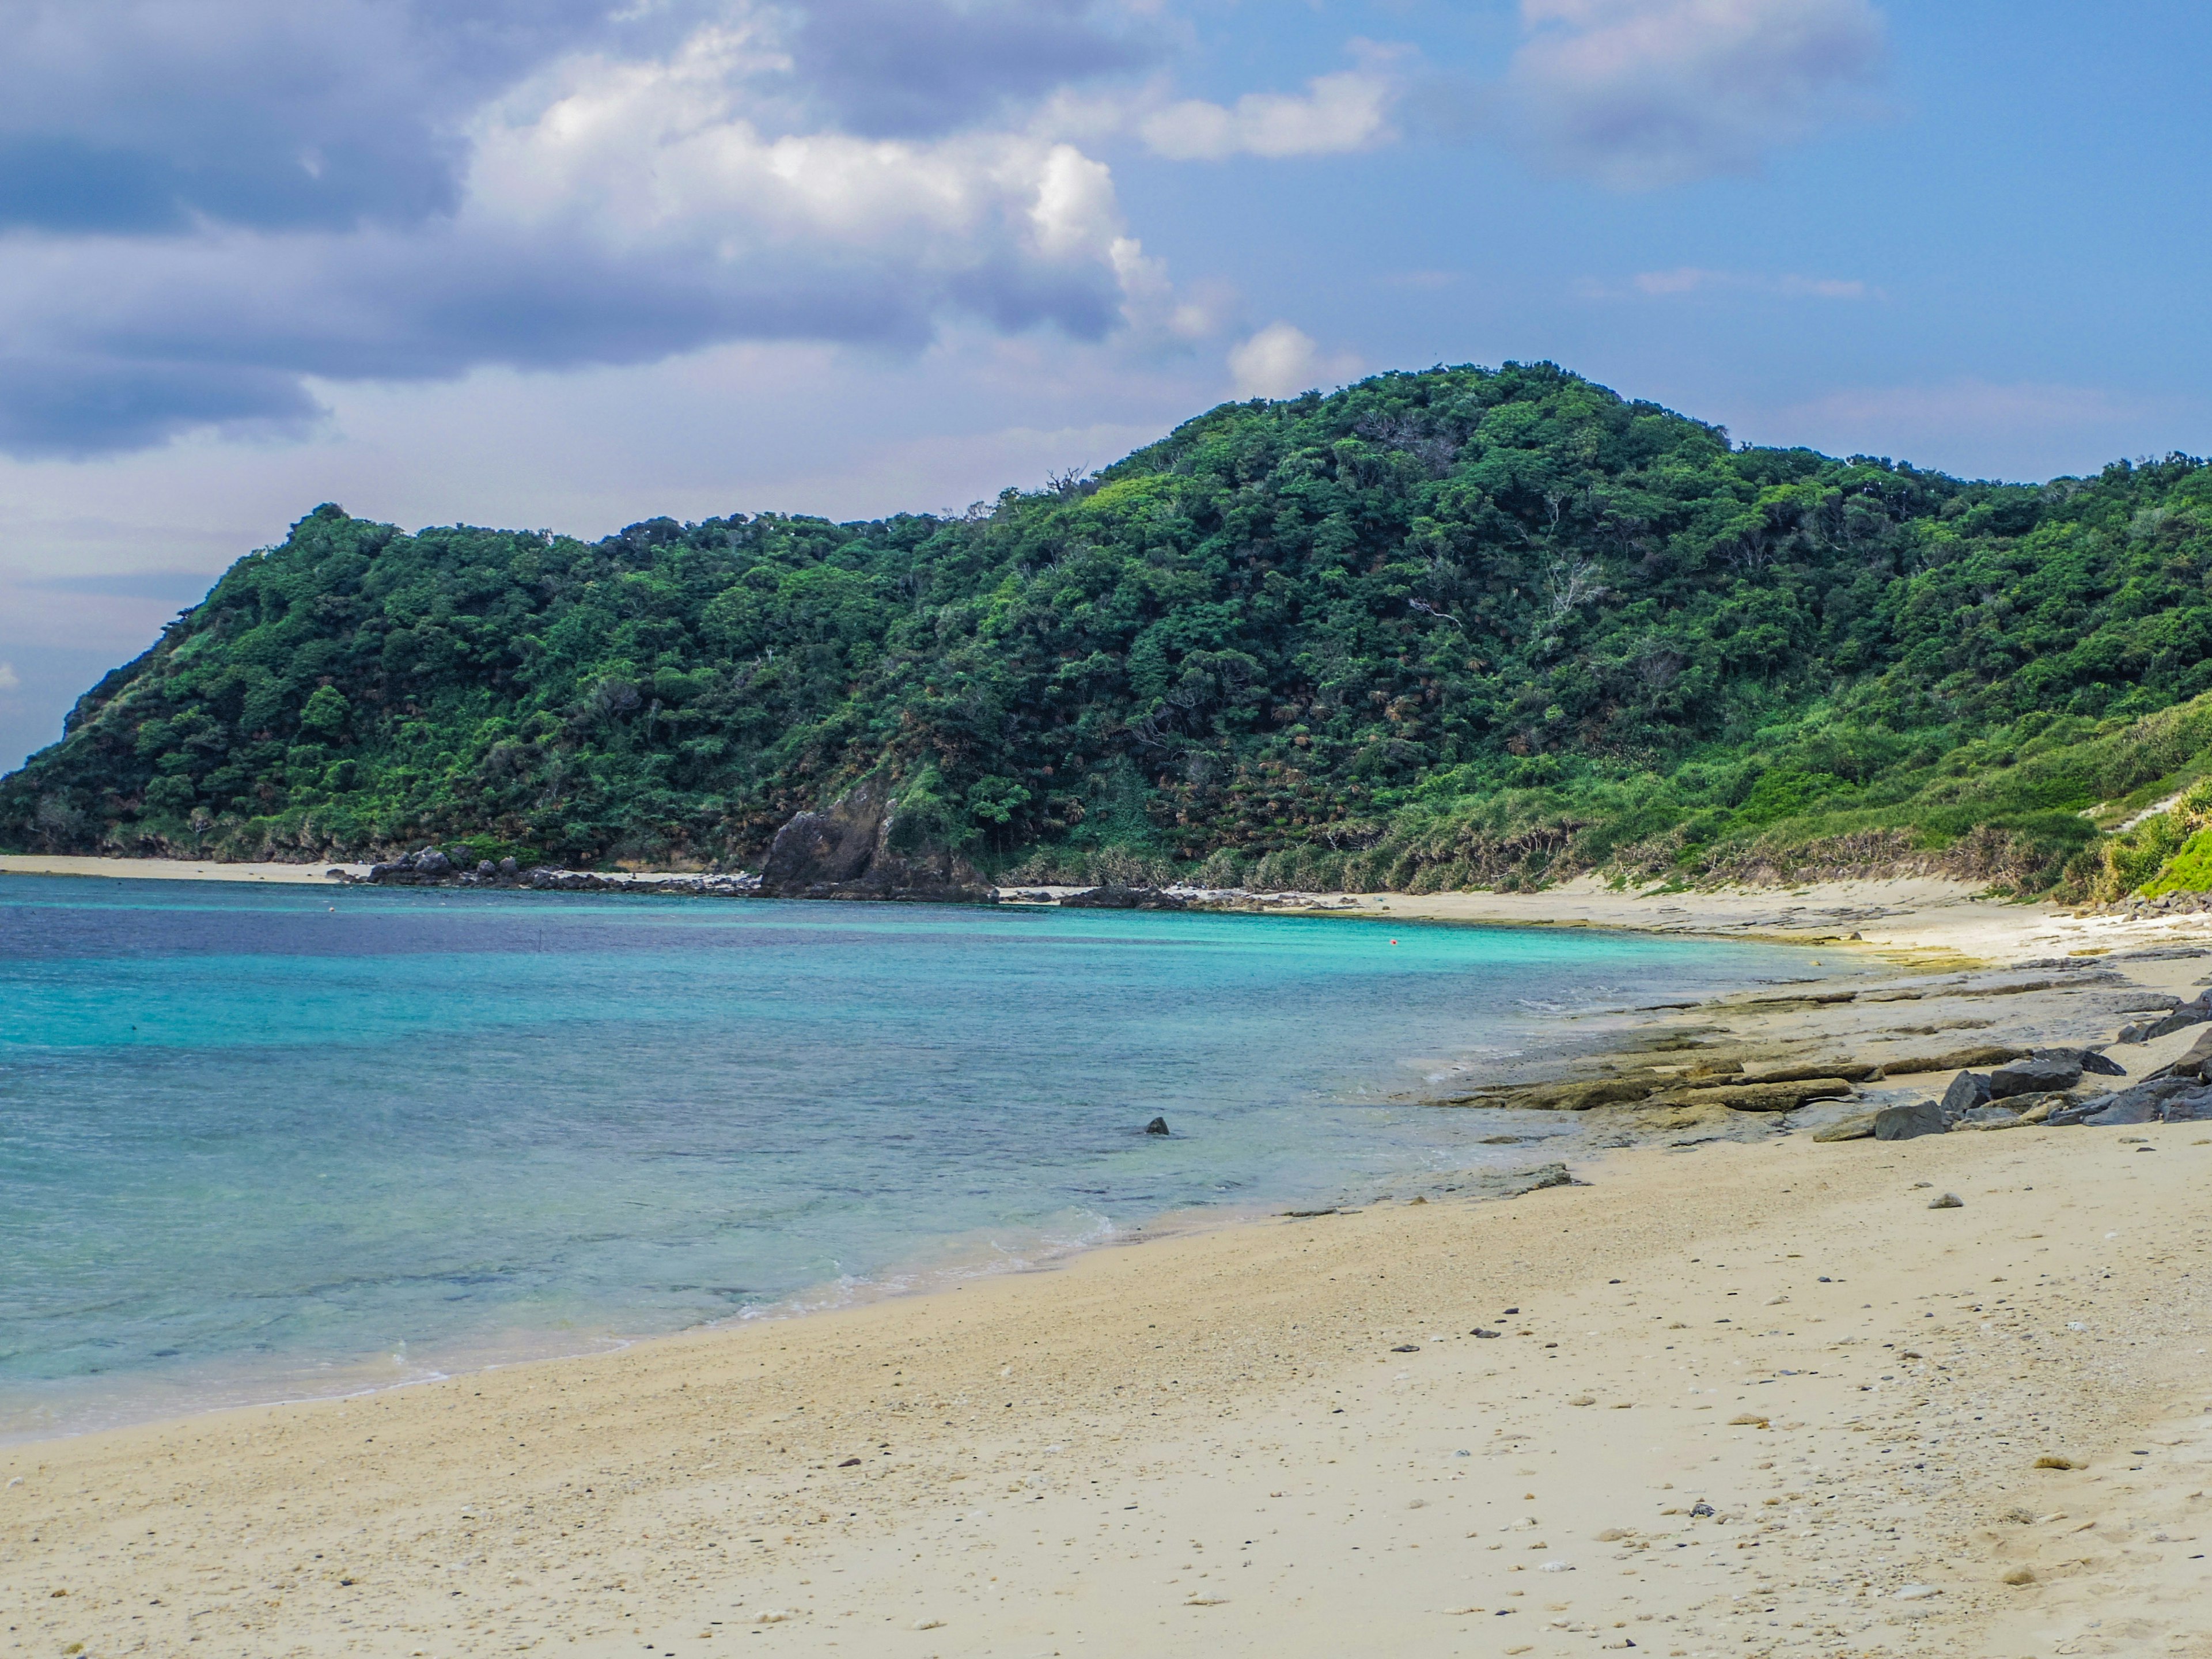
1742,1396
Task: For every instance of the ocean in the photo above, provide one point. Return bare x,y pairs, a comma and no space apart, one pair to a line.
262,1143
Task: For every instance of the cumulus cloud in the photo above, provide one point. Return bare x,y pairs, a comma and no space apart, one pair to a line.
607,204
1335,114
9,680
1642,94
1282,361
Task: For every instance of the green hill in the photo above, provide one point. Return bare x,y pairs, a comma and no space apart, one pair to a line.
1441,628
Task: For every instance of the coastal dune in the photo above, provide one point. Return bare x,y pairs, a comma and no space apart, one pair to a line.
1744,1398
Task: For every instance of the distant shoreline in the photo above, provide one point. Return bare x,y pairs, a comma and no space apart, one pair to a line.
1915,915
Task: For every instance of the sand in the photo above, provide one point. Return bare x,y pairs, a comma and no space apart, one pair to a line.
1283,1437
42,864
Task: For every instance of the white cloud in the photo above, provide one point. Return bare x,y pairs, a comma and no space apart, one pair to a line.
1335,115
1281,361
9,680
1696,279
614,209
1641,93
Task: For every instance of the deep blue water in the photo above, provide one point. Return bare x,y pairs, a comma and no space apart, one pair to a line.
259,1142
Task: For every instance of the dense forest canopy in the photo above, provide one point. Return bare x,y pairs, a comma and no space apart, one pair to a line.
1438,629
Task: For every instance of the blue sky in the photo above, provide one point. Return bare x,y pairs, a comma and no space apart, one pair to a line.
575,263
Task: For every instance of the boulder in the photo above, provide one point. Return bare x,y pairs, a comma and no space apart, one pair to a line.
2141,1103
2195,1107
2039,1074
2098,1066
862,848
1861,1128
1968,1090
1922,1117
431,864
509,868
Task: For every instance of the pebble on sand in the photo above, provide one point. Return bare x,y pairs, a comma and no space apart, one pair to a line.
2052,1461
1948,1201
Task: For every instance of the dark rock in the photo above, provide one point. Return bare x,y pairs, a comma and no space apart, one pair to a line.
2142,1102
2181,1018
2191,1063
1124,898
1968,1090
1407,1347
509,867
861,849
1158,1125
2039,1074
2195,1107
430,864
2094,1062
486,867
1988,1117
1923,1117
1479,1331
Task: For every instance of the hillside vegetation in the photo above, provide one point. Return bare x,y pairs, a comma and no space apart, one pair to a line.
1441,628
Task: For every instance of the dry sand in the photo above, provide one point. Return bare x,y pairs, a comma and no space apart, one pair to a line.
1282,1437
42,864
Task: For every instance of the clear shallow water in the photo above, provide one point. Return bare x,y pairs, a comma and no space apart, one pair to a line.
260,1142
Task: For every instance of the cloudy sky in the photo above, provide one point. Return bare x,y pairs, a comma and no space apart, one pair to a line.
575,263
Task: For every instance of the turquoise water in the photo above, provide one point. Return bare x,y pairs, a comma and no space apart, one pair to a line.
257,1143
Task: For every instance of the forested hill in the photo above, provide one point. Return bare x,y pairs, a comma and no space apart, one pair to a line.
1457,627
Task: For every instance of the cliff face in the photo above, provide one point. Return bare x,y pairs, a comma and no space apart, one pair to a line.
850,851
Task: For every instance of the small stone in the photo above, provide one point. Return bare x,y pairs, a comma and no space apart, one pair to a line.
1479,1331
1407,1347
2052,1461
2021,1576
1581,1399
1613,1535
1948,1201
850,1463
1748,1421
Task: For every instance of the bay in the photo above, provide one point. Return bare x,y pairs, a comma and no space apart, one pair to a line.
259,1143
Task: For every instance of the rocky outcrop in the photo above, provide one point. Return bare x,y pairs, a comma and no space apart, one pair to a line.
855,850
1125,898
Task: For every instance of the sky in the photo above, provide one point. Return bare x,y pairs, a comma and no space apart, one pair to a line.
572,263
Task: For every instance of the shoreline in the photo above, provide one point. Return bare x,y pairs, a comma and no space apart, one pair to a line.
1168,1375
1251,1440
